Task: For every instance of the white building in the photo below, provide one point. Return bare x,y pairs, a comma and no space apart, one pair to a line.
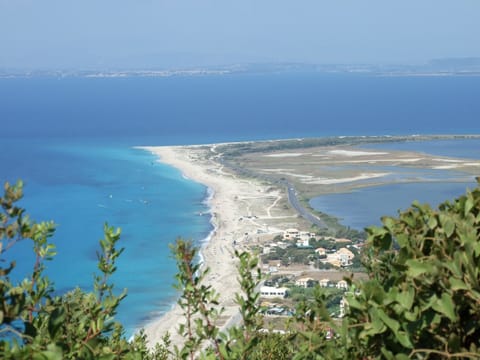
342,257
307,235
273,292
324,283
291,234
303,242
345,256
342,284
305,282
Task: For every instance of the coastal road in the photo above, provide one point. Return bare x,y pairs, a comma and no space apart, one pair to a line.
307,215
291,193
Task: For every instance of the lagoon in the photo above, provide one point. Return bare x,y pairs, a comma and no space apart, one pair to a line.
364,207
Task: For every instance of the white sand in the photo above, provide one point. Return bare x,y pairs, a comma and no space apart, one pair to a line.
233,205
445,167
276,170
399,160
355,153
326,181
448,160
285,155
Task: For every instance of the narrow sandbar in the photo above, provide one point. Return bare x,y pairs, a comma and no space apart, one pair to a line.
241,210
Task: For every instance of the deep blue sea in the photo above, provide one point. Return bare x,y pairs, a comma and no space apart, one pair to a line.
71,140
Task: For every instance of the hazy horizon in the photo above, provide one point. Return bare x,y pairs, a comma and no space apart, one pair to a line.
55,34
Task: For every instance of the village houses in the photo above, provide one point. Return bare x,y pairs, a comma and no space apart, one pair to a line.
325,283
291,234
273,292
342,284
342,257
302,237
306,282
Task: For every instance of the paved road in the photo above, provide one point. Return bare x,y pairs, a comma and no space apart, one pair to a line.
307,215
291,193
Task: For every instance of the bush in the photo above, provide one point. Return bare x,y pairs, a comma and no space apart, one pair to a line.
423,296
422,299
34,324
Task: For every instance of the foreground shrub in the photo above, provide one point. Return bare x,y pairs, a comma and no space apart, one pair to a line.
421,301
34,324
423,296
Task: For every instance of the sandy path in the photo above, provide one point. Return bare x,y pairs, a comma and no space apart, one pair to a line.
233,200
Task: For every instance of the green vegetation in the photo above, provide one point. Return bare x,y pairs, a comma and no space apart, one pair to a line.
34,324
233,150
332,296
290,255
422,299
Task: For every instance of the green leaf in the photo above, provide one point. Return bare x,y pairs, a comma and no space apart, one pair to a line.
377,326
387,354
391,323
454,266
403,339
432,222
416,268
402,240
445,306
411,315
57,317
457,284
405,298
355,304
469,204
107,357
448,224
53,352
388,222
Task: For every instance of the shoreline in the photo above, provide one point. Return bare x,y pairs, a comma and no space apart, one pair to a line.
230,200
243,207
171,319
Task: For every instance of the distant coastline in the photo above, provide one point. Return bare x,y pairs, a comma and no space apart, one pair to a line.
433,68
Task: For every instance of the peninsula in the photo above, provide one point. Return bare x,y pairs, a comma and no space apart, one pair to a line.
260,189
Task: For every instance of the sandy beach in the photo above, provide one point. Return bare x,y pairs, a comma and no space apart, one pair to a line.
242,211
249,211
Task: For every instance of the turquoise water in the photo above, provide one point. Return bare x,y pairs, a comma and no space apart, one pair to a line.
82,185
72,139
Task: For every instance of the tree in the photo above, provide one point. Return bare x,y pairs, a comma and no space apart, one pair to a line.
423,296
34,324
422,299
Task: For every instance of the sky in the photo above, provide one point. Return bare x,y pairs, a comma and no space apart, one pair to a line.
135,34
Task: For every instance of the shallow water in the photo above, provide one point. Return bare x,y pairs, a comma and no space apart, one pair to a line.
81,187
